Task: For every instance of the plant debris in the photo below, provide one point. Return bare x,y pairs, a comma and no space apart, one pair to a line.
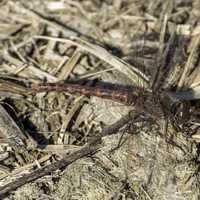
78,143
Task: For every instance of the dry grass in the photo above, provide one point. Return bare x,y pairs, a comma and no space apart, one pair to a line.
150,44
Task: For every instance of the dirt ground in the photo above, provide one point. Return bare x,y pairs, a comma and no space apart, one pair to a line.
151,46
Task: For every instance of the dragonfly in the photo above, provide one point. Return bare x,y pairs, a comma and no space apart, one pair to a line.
154,100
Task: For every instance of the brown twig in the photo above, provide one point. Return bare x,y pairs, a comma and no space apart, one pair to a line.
67,160
90,148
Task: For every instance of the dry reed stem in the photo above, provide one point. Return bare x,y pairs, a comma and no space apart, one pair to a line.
132,73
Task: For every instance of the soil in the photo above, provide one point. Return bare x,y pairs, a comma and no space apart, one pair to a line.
152,45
